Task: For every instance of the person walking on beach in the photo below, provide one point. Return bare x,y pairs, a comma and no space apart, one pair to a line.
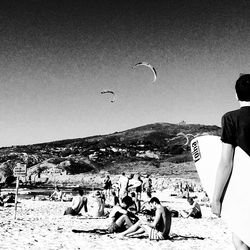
235,132
78,202
124,185
138,189
158,229
147,185
107,185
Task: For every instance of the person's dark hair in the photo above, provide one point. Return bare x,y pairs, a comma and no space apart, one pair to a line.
80,191
149,194
154,199
190,199
132,194
127,200
242,87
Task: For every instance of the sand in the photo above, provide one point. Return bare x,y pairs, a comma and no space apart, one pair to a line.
42,225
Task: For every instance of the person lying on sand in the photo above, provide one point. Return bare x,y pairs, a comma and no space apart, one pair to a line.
77,204
158,229
194,211
120,217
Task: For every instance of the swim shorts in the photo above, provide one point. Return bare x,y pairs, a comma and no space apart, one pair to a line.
153,233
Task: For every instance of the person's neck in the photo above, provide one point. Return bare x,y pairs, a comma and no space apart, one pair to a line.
244,104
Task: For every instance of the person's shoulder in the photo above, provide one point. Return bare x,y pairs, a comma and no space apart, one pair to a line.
165,210
161,208
231,113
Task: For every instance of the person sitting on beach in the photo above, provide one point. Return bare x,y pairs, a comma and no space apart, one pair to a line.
158,229
194,211
120,217
56,195
96,208
67,197
78,202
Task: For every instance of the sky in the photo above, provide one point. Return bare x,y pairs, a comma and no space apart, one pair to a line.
56,56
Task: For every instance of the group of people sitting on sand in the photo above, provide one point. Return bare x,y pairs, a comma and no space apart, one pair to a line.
127,223
128,216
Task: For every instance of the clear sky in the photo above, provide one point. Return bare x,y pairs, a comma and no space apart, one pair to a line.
57,56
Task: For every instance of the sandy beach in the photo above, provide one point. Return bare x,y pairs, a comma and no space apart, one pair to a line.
42,225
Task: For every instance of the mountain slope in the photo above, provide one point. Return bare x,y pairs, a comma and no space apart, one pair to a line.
153,143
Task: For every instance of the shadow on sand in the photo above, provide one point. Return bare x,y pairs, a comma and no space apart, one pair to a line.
173,237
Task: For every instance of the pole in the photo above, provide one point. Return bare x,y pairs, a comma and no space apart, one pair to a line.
54,176
17,185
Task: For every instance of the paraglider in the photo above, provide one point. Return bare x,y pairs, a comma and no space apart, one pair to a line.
109,92
149,66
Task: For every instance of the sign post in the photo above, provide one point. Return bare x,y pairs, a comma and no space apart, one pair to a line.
19,170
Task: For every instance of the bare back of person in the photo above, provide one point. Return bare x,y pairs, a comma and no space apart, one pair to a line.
164,223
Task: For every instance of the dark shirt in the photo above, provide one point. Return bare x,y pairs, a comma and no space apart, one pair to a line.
107,184
236,128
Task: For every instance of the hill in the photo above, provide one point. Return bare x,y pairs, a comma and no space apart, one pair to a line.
143,149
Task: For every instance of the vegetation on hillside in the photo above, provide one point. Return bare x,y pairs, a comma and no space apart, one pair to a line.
154,143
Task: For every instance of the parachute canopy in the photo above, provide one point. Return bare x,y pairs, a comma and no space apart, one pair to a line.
110,92
149,66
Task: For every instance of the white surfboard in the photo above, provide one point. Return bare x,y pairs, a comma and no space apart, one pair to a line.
206,151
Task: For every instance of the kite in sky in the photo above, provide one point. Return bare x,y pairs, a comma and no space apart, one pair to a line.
146,64
111,92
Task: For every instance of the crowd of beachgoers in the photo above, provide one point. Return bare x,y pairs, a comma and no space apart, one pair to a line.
129,212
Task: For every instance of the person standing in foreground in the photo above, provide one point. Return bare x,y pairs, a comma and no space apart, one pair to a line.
158,229
235,132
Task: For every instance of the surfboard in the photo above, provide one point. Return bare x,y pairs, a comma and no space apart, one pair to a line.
206,152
